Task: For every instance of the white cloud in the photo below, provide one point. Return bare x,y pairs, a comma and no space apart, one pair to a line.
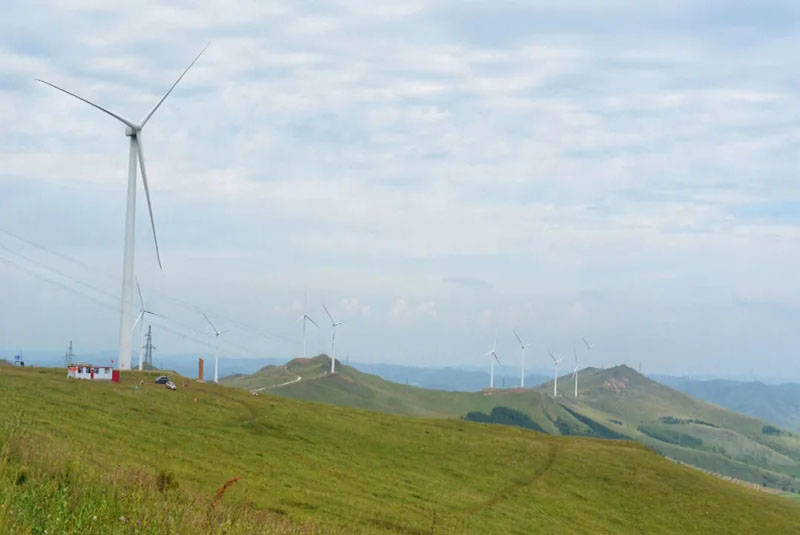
403,312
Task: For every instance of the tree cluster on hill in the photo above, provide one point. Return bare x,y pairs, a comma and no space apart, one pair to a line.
504,416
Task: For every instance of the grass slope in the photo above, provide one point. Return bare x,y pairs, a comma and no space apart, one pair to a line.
78,455
613,403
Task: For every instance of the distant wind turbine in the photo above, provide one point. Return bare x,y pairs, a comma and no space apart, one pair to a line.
492,357
140,321
575,373
136,159
306,318
555,375
522,373
217,334
334,324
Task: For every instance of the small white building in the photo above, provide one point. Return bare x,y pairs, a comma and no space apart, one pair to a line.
89,371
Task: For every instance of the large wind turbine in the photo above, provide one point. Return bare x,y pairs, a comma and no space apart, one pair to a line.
140,321
492,357
555,375
522,373
217,334
136,159
334,324
575,373
306,318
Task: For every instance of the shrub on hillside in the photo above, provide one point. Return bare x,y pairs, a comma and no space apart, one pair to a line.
504,416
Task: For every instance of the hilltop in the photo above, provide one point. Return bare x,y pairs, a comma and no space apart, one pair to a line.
118,455
616,402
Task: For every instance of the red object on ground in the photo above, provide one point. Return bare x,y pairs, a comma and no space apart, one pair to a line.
115,376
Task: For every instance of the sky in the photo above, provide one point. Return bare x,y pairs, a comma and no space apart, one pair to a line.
437,172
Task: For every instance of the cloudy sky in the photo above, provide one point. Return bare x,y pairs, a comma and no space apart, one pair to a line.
433,171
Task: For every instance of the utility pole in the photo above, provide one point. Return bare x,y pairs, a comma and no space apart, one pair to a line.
149,347
68,355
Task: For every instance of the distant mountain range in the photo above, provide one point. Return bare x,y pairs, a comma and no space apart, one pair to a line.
779,404
612,403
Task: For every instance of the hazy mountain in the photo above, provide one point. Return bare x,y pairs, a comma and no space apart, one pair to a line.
779,404
450,378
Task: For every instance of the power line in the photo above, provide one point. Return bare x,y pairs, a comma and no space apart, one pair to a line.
264,333
227,347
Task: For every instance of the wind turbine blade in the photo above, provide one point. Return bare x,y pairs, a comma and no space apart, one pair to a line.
312,321
328,313
155,314
587,344
518,338
147,194
552,356
139,317
139,288
497,359
301,318
147,117
216,332
111,113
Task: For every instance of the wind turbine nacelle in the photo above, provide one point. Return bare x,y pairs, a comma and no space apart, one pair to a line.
130,132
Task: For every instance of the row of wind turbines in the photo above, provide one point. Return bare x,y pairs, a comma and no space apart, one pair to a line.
492,354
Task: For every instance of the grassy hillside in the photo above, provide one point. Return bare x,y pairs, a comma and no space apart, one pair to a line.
91,457
615,402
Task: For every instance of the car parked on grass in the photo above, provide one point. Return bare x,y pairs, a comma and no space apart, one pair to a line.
170,385
162,379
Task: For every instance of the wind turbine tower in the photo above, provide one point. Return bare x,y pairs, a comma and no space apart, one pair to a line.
522,372
334,324
133,131
492,357
575,373
555,375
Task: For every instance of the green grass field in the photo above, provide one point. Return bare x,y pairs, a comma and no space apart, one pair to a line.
78,455
611,402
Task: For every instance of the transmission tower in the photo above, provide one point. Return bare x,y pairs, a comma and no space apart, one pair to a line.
68,355
148,348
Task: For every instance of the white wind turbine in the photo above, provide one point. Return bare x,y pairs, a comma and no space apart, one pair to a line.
522,373
140,321
136,159
306,318
217,334
334,324
575,373
492,357
555,375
